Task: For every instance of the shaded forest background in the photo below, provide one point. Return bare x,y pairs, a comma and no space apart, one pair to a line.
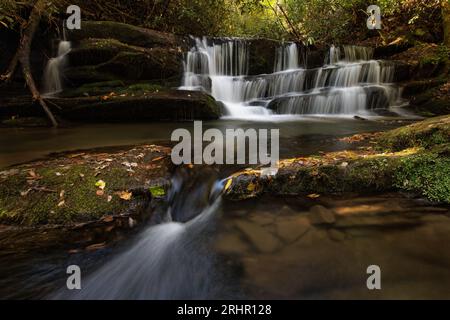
316,22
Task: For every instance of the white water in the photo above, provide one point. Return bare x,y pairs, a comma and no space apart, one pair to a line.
53,80
172,260
348,84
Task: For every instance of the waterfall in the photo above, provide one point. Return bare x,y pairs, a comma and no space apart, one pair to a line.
53,80
350,82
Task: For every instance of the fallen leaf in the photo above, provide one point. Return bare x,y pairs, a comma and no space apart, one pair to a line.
124,195
100,192
101,184
228,184
251,187
109,198
61,203
25,193
96,246
313,196
61,194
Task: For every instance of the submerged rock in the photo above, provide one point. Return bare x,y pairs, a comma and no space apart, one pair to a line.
262,239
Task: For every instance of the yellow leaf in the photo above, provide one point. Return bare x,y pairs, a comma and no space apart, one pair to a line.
314,196
124,195
228,184
251,187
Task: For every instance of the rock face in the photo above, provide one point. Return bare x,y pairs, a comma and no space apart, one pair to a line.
97,60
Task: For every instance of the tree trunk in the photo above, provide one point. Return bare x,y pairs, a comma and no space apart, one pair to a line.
24,55
446,19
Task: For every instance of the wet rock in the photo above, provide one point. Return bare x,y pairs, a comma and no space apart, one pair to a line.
319,215
262,56
290,229
263,240
168,105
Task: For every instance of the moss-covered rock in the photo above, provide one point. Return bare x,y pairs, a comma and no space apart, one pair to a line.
426,134
426,60
125,33
97,60
417,161
80,187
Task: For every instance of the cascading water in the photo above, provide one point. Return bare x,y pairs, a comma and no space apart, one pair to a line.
348,84
53,80
171,260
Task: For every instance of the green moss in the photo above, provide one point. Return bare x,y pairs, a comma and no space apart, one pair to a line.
427,174
61,195
157,191
438,56
424,134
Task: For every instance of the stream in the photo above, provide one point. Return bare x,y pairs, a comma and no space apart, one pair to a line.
201,246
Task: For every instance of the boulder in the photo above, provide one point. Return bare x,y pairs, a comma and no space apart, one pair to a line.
125,33
97,60
171,105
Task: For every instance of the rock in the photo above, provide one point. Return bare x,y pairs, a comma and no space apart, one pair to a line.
383,52
125,33
168,105
262,56
31,194
95,60
320,215
263,240
292,228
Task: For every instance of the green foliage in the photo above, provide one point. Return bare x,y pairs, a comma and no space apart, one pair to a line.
309,21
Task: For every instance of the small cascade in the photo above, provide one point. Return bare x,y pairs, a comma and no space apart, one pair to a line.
287,58
170,260
350,82
53,79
